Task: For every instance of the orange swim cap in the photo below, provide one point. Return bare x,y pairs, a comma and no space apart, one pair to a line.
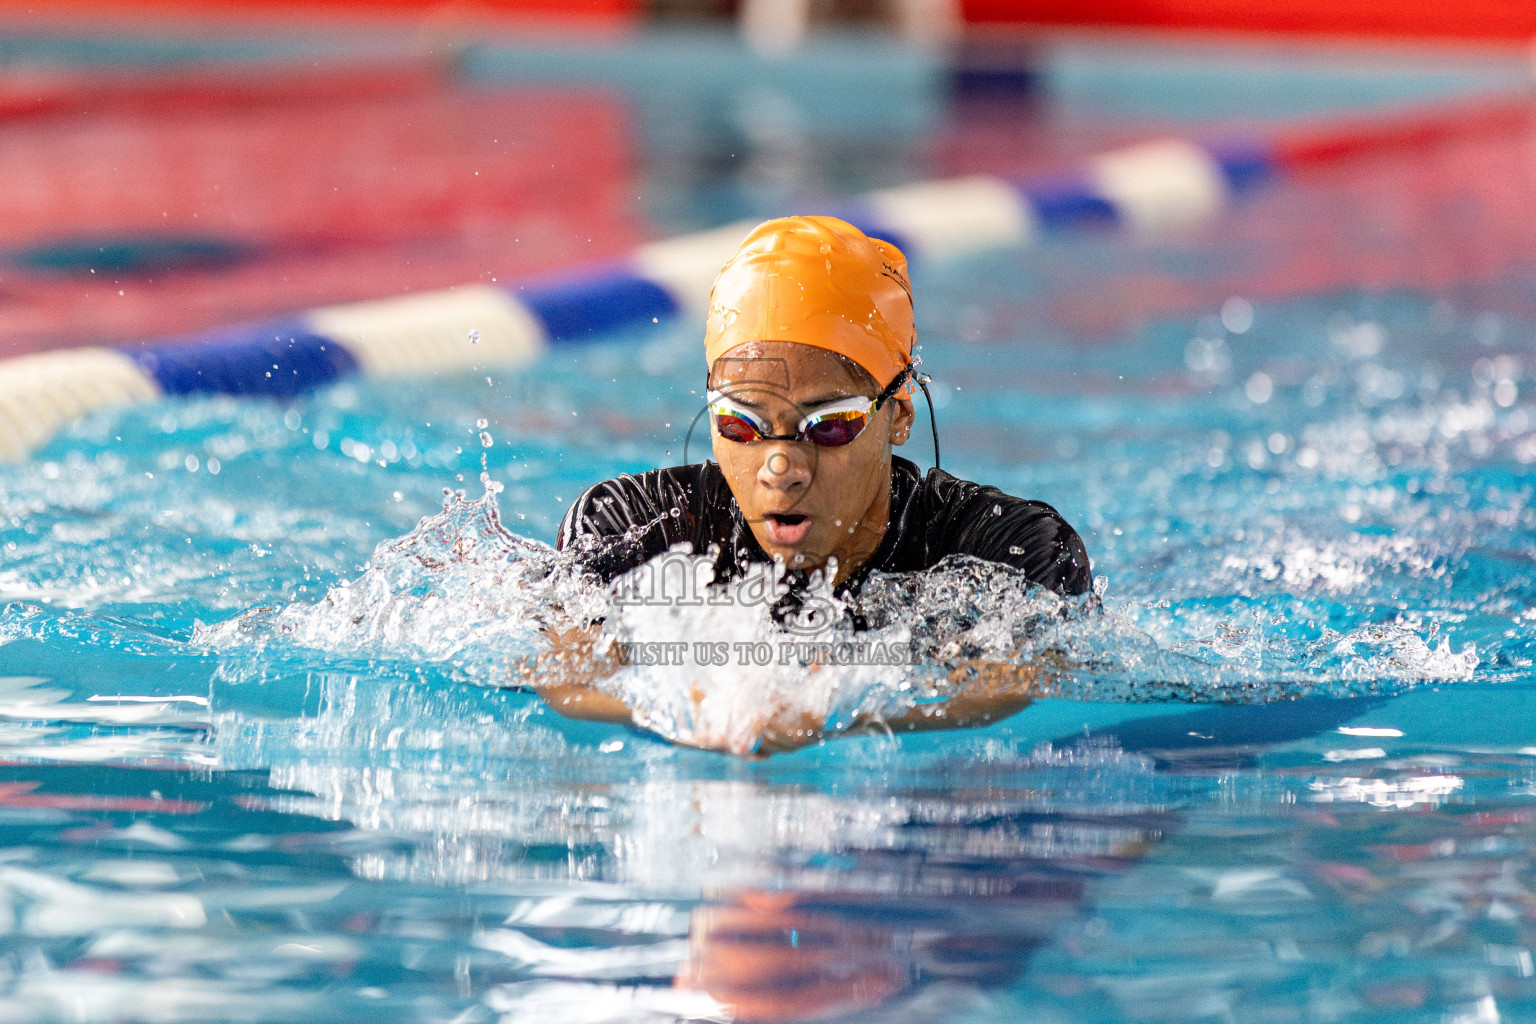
816,281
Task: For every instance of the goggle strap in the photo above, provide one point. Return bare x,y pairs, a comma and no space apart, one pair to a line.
894,386
933,423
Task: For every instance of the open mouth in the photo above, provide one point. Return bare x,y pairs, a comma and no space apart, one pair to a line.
786,528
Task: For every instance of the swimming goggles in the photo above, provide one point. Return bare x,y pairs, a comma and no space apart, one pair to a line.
830,426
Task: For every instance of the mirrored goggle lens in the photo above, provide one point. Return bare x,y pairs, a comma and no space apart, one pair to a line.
733,426
834,429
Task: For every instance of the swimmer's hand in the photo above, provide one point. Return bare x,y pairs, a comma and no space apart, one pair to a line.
566,676
977,693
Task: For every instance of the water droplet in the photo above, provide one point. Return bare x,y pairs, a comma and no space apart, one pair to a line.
485,439
1237,315
1260,388
474,337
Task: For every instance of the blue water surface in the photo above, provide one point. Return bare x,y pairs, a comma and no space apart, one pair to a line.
1315,509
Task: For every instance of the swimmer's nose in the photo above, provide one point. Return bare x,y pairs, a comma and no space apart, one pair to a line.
784,468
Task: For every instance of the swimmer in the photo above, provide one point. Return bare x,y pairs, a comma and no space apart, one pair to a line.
809,346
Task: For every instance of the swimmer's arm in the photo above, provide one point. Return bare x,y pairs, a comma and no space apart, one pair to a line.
565,676
584,701
964,710
983,692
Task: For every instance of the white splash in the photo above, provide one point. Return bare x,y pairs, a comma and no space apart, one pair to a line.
722,664
458,586
712,665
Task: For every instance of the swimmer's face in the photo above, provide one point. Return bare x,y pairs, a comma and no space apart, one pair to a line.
804,502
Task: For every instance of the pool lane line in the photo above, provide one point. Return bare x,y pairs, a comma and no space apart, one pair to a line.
1146,189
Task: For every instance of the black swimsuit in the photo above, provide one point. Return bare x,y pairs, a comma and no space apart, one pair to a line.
625,522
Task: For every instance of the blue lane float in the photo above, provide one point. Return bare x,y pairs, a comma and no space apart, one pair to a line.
1146,190
594,302
279,361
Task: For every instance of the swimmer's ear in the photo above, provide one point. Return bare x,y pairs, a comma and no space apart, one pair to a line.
901,420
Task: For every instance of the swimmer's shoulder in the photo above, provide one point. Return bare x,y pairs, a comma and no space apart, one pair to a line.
638,501
966,518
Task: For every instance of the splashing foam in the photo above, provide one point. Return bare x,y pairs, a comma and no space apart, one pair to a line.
459,588
720,671
713,664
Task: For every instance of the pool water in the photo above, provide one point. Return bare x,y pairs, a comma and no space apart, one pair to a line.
262,754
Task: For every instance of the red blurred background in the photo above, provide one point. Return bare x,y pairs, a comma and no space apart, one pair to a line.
151,201
152,205
1466,19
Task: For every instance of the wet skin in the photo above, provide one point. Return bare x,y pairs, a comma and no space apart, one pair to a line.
805,503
